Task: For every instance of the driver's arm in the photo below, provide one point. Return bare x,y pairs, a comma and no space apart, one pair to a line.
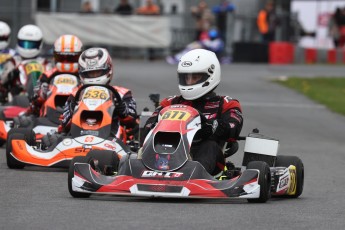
230,122
130,111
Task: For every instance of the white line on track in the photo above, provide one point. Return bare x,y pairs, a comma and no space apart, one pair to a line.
286,105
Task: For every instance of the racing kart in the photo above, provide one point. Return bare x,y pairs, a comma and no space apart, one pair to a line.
59,90
91,129
164,167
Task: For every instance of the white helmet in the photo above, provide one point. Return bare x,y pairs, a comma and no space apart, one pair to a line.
29,43
198,73
5,33
95,67
67,49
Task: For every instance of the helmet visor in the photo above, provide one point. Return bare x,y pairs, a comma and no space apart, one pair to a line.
66,57
94,73
186,79
29,44
4,38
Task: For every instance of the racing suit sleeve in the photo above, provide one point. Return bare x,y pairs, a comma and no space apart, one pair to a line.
66,117
10,85
128,114
40,95
230,122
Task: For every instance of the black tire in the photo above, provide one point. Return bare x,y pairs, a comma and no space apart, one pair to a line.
12,162
104,158
264,180
2,142
23,122
21,100
286,161
80,159
29,134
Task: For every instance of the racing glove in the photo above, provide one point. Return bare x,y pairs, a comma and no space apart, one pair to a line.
68,110
217,128
121,109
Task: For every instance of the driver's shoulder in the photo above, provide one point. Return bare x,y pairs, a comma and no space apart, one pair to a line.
171,100
230,103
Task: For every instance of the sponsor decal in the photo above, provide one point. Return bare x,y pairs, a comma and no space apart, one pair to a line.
162,162
33,67
81,150
88,139
283,182
109,146
89,132
175,115
161,174
65,80
178,106
67,142
293,183
186,64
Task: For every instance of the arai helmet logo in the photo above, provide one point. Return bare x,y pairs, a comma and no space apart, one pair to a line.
91,62
186,64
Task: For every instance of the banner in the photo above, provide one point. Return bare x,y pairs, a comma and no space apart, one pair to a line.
315,15
97,29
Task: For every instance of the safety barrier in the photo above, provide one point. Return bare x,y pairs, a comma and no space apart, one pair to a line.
288,53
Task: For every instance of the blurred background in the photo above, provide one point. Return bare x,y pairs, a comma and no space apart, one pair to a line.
298,26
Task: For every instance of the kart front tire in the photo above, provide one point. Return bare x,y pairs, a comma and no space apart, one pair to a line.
264,180
29,135
80,159
104,158
12,162
286,161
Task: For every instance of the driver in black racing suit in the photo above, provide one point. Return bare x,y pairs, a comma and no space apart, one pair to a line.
199,74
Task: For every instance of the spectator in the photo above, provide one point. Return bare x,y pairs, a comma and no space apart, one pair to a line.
210,41
124,8
266,22
86,8
341,24
333,27
204,18
221,11
149,9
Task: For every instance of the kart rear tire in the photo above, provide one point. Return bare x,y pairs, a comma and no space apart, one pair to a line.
80,159
286,161
12,162
105,157
264,180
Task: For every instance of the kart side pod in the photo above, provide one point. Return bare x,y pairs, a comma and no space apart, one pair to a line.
260,148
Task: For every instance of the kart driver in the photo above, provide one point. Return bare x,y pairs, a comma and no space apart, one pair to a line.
7,56
96,68
199,74
29,46
67,49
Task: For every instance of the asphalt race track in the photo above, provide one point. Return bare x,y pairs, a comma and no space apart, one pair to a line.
36,198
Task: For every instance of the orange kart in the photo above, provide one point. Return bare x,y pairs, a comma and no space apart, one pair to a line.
59,90
91,129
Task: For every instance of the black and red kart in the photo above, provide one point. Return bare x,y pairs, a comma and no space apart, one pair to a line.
164,167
